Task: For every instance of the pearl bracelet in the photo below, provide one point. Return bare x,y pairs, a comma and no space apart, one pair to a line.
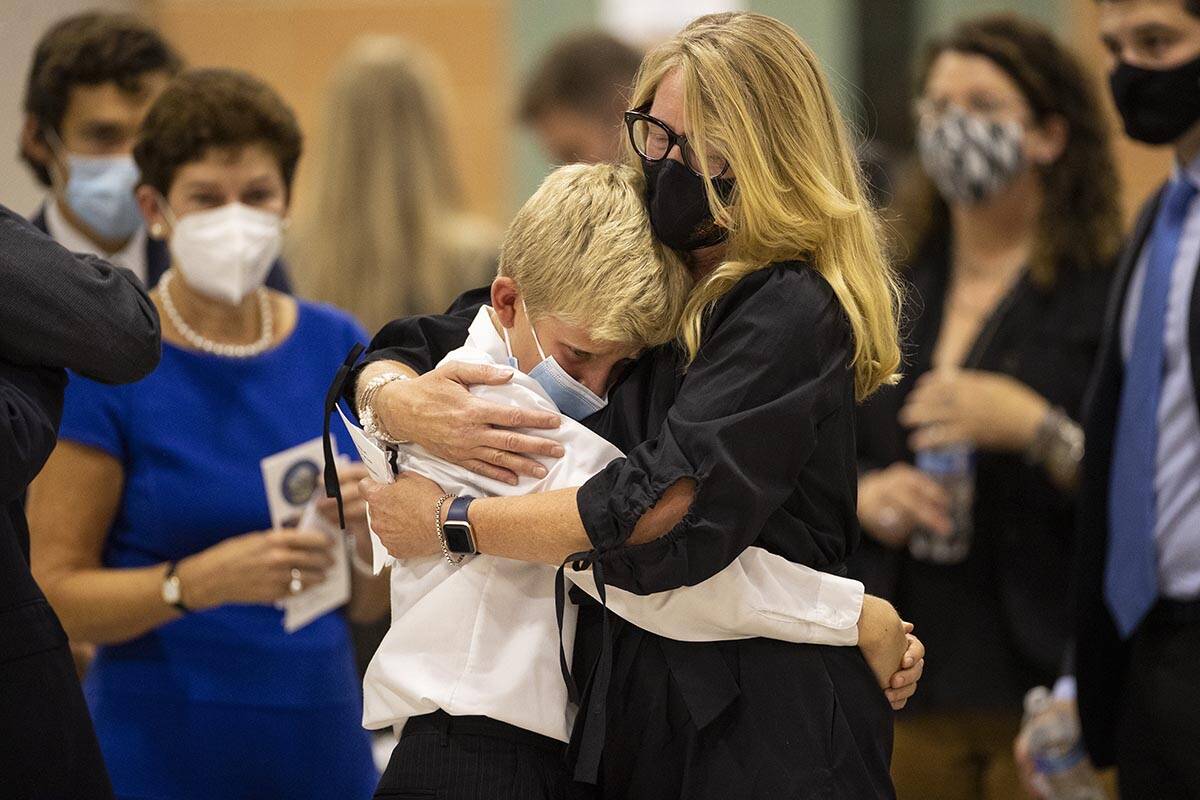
366,410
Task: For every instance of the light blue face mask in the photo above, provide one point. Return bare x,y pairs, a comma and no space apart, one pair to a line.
100,192
570,396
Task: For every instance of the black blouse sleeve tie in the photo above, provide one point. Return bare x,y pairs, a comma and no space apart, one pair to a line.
333,487
589,731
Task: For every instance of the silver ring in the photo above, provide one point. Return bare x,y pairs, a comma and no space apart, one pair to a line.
297,585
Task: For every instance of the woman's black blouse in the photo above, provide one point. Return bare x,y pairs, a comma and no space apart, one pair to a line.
762,420
998,623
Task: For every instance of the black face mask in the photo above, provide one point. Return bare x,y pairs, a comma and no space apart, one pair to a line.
1157,106
679,212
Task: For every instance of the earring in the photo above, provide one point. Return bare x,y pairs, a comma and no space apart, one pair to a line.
156,230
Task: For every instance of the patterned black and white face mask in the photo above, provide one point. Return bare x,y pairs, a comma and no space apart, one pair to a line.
969,157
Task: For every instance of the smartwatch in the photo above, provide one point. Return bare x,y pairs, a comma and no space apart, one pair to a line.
460,539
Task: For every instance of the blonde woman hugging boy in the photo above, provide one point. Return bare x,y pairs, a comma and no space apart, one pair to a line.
469,674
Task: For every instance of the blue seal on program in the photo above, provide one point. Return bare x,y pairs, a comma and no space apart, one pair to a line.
300,481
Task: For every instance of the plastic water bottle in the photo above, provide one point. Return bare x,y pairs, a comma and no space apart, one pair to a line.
1057,749
954,468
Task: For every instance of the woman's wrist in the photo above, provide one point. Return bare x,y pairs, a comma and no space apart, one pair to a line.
441,516
1057,447
541,528
365,376
193,589
389,408
379,390
374,421
1027,423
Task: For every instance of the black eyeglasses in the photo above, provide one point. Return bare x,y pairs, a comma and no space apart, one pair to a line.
653,140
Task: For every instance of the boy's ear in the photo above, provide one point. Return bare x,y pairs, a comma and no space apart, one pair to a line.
505,298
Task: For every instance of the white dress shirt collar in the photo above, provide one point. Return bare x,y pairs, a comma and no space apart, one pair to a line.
482,336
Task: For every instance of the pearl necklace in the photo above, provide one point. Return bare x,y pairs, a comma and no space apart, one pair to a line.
219,348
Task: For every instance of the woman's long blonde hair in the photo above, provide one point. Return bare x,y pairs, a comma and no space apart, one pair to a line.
754,92
383,233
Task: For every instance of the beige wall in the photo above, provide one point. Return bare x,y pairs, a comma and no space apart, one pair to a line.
293,43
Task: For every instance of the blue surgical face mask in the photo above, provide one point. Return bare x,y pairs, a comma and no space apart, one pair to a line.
570,396
100,192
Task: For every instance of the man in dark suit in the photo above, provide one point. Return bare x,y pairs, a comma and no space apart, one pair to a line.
57,311
1138,563
93,78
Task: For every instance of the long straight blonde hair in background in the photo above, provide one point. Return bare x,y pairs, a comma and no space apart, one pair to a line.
755,93
382,231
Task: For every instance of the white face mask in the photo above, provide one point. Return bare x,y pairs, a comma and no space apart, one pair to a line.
226,252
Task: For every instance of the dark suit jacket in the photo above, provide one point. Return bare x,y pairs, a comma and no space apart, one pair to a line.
158,260
57,311
1100,655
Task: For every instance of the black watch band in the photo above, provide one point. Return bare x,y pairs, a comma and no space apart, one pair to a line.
460,538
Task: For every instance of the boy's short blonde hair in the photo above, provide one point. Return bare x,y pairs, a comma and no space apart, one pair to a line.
581,250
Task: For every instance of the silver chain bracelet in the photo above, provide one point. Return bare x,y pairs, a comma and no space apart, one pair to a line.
441,534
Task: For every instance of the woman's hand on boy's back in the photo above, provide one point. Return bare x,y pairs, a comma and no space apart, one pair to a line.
437,411
402,514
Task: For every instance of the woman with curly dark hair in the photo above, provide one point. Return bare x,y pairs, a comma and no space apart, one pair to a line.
967,468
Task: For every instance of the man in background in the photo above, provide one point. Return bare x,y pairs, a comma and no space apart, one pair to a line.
93,78
1137,581
575,97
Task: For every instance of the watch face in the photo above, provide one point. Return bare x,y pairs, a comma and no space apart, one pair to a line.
459,538
170,590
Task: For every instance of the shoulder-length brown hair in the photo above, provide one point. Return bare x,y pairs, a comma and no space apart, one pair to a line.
1080,224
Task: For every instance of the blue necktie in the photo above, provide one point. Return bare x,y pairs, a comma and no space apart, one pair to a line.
1131,575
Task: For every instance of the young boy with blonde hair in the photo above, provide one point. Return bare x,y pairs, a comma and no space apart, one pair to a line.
469,673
